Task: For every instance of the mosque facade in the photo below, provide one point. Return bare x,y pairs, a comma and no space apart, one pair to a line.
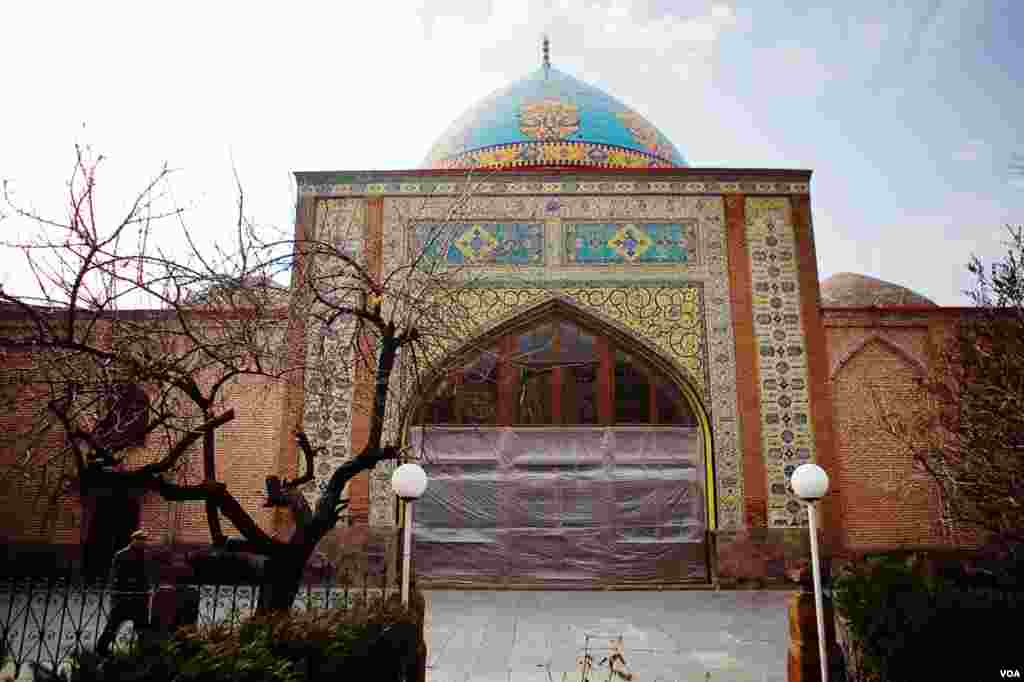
676,359
713,357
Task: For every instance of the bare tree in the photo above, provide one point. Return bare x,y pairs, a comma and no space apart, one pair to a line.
129,341
969,434
105,376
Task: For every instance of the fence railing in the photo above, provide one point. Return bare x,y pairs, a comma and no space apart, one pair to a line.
45,622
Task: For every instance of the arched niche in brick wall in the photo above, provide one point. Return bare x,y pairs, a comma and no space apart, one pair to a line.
886,500
889,345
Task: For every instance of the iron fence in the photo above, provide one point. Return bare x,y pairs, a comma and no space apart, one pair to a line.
45,622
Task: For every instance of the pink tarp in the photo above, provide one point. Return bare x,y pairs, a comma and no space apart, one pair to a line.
561,504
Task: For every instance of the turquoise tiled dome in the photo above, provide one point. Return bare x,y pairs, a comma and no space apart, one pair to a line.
550,118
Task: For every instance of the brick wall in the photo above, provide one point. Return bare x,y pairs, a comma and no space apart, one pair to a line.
24,505
875,357
248,449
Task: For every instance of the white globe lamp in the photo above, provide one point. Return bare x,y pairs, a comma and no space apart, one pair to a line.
810,484
408,481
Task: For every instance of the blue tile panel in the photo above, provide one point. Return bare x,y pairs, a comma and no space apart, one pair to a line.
482,243
551,118
602,243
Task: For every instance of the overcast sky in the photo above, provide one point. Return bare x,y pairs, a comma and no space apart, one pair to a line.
908,116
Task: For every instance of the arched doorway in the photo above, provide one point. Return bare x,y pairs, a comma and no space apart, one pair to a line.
560,453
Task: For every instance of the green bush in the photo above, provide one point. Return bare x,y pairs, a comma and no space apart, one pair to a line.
905,622
382,640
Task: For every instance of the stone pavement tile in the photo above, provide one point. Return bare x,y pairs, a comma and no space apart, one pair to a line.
667,636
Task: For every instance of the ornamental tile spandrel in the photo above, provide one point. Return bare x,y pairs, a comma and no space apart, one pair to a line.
786,431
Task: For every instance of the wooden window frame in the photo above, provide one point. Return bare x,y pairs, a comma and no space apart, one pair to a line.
509,383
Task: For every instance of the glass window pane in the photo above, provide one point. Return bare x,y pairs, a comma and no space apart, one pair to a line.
632,391
533,402
575,346
441,409
535,345
579,394
534,359
578,352
673,409
478,398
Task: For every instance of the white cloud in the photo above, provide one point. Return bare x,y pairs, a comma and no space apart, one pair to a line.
372,85
722,12
279,89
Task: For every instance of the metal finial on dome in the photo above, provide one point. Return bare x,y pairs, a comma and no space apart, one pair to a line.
546,52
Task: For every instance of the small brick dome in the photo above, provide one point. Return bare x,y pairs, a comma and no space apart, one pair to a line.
851,290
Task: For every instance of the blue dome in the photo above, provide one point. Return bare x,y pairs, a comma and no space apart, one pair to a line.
551,119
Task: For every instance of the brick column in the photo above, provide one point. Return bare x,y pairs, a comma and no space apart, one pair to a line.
294,400
817,367
748,396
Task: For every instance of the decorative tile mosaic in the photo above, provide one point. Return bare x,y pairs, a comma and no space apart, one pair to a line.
327,415
341,184
550,117
553,153
646,135
602,243
786,433
481,243
687,318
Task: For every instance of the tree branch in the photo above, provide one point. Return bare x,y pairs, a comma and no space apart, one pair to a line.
217,492
308,451
185,443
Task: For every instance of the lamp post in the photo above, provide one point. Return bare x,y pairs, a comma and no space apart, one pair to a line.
409,481
810,483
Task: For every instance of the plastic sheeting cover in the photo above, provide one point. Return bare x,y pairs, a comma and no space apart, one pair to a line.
561,504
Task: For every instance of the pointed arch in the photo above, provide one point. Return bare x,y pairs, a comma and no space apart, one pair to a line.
916,365
560,308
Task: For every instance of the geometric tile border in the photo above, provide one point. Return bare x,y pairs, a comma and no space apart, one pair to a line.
787,437
415,185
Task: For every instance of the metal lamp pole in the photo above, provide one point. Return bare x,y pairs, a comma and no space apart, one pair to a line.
408,481
406,549
810,483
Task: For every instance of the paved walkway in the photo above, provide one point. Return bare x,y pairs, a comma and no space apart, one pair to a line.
667,636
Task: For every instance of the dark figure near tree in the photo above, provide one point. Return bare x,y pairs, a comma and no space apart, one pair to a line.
129,599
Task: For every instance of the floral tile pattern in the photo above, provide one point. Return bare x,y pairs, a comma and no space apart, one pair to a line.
329,378
482,243
786,430
601,243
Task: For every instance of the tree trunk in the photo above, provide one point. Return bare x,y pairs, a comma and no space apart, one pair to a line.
283,578
210,474
112,521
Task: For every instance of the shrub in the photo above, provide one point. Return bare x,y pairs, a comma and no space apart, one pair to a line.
380,639
906,620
